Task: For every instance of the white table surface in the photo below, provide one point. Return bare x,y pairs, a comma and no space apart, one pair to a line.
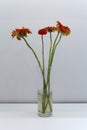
25,117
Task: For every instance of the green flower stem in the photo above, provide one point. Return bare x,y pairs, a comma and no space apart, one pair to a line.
38,61
48,103
56,38
44,85
49,67
45,102
46,94
50,55
54,48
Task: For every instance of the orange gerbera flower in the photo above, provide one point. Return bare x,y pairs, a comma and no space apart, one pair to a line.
51,28
18,33
42,31
63,29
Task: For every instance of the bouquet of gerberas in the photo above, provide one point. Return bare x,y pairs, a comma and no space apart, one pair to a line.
45,105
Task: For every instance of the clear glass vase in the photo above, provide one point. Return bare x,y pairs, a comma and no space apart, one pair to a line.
44,103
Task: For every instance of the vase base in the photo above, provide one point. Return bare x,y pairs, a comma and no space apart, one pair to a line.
45,114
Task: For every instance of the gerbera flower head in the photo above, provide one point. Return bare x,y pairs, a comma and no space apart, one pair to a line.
51,29
42,31
19,33
63,29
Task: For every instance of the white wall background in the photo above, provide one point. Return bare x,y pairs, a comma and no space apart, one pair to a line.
19,73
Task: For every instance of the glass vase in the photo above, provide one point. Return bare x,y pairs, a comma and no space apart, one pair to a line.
44,103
